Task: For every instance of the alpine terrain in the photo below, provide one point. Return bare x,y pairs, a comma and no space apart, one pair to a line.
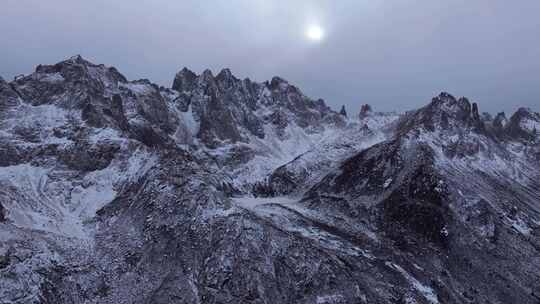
223,190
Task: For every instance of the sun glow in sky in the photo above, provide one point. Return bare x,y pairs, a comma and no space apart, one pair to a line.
315,33
389,53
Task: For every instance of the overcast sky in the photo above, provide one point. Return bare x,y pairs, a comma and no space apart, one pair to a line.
393,54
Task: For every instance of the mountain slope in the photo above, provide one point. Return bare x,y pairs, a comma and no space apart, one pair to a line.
446,188
221,190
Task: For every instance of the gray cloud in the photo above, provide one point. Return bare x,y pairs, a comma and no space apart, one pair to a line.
393,54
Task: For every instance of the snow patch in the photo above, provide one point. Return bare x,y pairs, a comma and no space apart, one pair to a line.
330,299
521,226
51,78
426,291
137,88
53,201
530,125
105,134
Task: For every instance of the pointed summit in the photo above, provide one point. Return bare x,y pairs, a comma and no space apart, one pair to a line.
77,59
445,112
225,74
207,74
226,79
343,111
184,80
365,111
8,97
524,124
278,82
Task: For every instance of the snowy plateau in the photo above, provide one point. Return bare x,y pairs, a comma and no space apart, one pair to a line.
222,190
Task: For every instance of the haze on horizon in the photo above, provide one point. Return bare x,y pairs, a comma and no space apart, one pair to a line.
394,55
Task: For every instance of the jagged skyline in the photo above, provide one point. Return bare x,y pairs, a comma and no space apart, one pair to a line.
393,56
222,190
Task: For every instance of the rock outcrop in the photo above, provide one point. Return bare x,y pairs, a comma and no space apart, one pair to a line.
222,190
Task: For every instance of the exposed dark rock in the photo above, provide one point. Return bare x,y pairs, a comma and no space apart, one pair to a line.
343,111
87,158
517,126
280,121
486,117
117,112
444,112
462,148
66,82
500,122
225,105
149,136
185,80
419,205
8,97
192,195
364,111
2,215
217,124
183,102
283,181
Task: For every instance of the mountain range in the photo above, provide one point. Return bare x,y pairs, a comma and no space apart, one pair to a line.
223,190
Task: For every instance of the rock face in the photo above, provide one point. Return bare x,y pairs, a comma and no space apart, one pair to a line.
2,213
524,124
343,111
232,110
8,97
221,190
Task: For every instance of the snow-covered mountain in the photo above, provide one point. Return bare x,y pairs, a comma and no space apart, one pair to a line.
221,190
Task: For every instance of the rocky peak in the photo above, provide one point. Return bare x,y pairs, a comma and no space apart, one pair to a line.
78,59
184,80
8,97
227,107
524,124
278,83
207,76
343,112
4,86
77,68
225,75
321,106
460,109
187,81
444,112
68,81
365,111
226,79
486,117
207,82
475,113
500,121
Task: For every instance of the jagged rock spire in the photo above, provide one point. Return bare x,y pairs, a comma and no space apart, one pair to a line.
184,80
343,111
524,124
364,111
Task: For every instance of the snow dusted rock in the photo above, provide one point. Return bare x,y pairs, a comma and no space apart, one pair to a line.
445,112
498,124
377,120
343,111
524,124
8,97
310,167
451,183
230,110
221,190
365,110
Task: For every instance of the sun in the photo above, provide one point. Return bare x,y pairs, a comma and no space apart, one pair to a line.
315,33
